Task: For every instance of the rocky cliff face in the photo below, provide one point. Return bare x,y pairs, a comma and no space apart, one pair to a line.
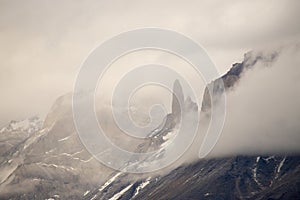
177,99
232,77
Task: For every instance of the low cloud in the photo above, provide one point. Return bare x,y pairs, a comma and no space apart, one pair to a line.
263,110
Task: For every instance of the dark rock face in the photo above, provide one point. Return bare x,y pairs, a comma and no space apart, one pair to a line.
242,177
232,77
230,178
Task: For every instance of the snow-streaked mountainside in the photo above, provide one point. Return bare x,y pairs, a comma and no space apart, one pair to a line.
46,160
16,131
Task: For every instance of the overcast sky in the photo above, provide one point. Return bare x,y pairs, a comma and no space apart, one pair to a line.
43,43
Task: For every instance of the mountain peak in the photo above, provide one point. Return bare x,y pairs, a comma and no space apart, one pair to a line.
177,98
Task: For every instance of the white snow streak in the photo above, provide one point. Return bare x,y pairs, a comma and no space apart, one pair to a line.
119,194
86,193
141,186
110,181
257,158
57,166
63,139
254,171
281,164
94,197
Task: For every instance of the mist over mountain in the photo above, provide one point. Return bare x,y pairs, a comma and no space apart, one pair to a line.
154,129
255,157
262,106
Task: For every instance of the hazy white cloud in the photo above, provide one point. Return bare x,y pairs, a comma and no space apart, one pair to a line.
43,43
263,110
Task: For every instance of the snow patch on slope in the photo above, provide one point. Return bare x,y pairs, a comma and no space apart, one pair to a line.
119,194
109,181
142,186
